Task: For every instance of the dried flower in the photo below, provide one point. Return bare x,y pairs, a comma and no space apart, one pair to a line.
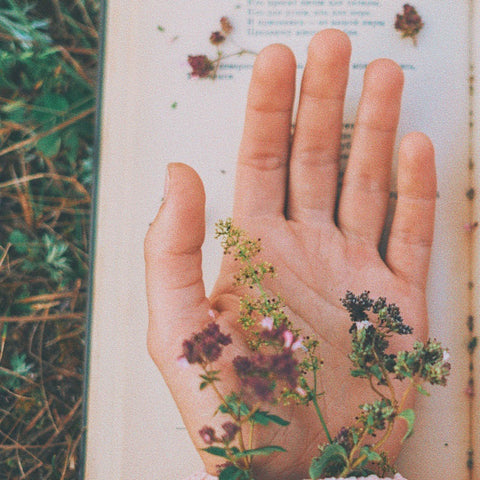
202,66
227,27
409,22
216,38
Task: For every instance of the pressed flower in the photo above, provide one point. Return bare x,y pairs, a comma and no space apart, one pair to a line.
201,65
216,38
227,27
409,22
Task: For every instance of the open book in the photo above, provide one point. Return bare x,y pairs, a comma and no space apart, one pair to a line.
153,113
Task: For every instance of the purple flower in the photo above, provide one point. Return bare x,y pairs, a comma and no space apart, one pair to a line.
201,65
409,22
208,435
206,346
231,429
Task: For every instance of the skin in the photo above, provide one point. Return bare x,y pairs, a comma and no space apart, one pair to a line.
285,194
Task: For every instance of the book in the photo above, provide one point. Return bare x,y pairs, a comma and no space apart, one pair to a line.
153,113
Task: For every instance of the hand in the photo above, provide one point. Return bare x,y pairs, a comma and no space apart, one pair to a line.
285,194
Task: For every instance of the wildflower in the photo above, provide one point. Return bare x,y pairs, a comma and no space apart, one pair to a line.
446,356
301,391
284,366
261,387
208,435
231,429
409,22
298,344
287,338
182,361
363,324
227,27
267,323
205,346
201,65
216,38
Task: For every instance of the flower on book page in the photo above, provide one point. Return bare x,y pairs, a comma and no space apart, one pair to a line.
409,22
202,66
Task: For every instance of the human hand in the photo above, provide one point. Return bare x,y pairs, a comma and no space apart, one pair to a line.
285,194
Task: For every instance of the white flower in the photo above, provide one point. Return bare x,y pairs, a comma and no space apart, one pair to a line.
446,356
287,338
267,323
363,324
297,344
301,391
183,362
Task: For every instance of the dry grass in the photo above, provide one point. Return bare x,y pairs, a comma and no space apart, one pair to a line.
48,58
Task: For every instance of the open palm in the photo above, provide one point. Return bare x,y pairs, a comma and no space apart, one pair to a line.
286,193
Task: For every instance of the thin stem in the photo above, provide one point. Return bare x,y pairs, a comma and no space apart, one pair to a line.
317,407
387,378
405,395
378,392
354,451
236,417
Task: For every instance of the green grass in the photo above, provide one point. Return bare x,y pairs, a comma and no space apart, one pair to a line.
48,61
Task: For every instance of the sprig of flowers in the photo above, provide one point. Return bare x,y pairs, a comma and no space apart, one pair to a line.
409,23
283,366
205,67
374,323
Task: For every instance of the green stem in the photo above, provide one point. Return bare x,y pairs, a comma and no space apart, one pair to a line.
317,407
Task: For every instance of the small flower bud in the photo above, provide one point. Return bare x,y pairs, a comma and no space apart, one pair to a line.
287,338
267,323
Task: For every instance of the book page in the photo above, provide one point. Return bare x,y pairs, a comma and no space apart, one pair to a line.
153,114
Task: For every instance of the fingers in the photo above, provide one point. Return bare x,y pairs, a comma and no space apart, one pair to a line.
410,241
366,185
316,145
175,289
262,165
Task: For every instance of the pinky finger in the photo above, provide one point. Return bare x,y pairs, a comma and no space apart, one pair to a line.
411,237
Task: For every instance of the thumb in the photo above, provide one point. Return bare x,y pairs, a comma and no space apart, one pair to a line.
173,261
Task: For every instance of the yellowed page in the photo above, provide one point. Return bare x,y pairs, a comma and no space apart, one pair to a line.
154,114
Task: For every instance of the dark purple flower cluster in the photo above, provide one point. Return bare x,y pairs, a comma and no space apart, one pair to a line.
409,22
357,305
201,66
209,436
205,346
261,373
